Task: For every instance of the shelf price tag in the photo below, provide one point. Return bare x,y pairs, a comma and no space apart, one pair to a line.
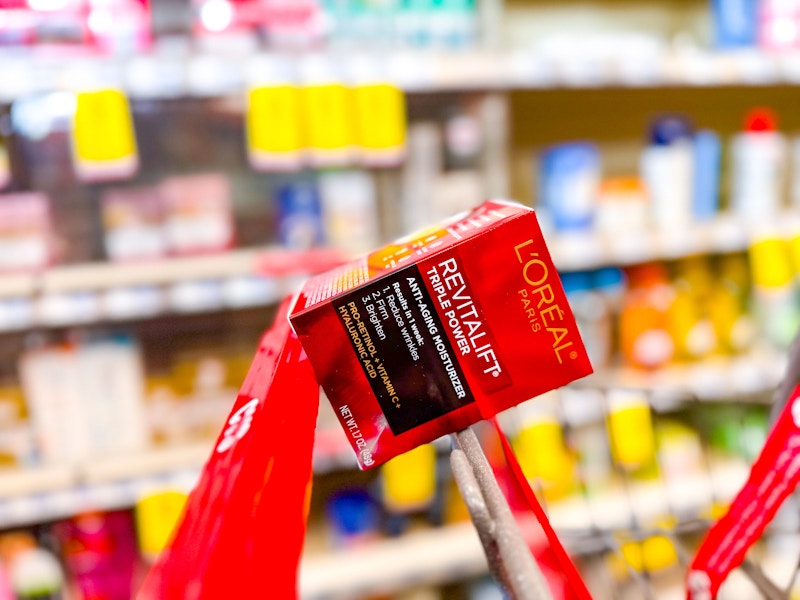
329,121
273,126
103,138
380,113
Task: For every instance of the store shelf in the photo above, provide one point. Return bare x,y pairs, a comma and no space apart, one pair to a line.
100,292
381,567
454,552
724,233
43,493
95,292
170,75
39,494
684,496
720,378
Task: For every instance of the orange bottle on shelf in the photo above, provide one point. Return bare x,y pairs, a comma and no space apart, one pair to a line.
645,340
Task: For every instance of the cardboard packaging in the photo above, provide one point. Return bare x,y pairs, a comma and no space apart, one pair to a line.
439,330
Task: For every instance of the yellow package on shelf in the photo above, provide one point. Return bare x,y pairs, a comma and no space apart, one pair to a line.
329,122
157,515
273,126
103,137
409,480
543,455
380,113
630,430
775,289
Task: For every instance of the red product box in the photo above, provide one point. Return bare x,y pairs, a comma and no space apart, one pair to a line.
440,330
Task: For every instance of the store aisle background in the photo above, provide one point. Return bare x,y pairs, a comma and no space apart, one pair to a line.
169,171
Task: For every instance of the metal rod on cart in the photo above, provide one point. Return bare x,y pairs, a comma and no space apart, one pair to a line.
790,379
509,558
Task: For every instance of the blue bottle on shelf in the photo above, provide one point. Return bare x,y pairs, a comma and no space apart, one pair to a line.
705,192
569,177
735,23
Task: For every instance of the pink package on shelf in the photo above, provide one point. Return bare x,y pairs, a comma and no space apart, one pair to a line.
133,224
198,213
26,232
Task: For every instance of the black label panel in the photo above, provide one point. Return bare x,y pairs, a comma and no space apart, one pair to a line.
403,349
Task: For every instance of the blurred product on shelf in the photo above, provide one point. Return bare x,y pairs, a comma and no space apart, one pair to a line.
735,23
444,172
379,112
155,515
456,192
85,399
103,140
26,232
593,315
354,517
737,430
328,113
539,445
6,591
188,399
680,179
778,24
198,213
112,27
759,169
17,447
667,169
273,125
690,312
133,222
645,339
5,161
100,553
409,480
586,436
622,204
680,453
283,24
350,210
794,171
630,432
731,304
424,164
706,175
292,25
775,292
464,138
411,490
34,571
484,589
320,114
299,215
569,178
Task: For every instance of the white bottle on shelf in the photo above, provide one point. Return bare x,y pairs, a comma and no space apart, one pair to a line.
759,163
666,167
